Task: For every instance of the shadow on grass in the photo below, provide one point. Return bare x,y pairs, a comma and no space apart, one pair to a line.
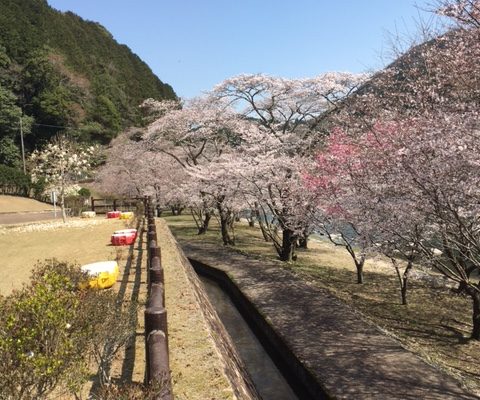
125,283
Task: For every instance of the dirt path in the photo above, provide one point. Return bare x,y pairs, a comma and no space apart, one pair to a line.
24,217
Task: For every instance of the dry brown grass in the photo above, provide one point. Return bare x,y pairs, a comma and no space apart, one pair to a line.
197,372
10,204
196,367
21,248
435,325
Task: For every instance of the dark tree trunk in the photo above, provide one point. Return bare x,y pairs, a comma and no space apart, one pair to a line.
289,241
405,281
475,295
359,266
261,223
226,224
303,242
205,222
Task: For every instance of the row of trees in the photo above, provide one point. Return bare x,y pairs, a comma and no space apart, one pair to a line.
387,163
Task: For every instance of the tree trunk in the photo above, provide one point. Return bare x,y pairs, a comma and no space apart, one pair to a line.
404,288
205,222
62,203
475,295
261,224
226,221
359,266
303,242
289,240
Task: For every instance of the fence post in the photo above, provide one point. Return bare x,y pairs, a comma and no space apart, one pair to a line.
156,271
152,235
92,200
158,369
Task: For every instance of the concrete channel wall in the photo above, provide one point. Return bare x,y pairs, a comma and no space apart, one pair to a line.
233,367
300,379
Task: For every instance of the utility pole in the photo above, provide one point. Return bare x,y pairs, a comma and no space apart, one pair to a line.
23,147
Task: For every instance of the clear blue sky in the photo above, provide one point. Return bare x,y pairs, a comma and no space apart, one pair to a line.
194,44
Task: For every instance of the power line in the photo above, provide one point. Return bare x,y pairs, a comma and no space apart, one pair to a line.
55,126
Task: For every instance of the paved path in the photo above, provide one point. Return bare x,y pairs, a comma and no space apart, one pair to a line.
348,356
17,218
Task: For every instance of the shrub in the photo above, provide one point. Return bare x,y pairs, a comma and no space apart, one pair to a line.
50,331
14,181
40,344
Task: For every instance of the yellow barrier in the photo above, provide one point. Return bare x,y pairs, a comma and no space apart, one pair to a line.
102,275
126,215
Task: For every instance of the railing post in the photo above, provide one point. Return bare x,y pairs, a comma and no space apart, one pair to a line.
156,271
158,369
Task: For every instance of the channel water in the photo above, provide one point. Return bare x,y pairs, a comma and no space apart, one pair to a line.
266,377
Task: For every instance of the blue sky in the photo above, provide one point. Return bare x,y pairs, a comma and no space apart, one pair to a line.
195,44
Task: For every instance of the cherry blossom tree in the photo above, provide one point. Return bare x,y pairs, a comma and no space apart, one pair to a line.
201,137
416,183
465,12
60,163
341,216
288,114
131,170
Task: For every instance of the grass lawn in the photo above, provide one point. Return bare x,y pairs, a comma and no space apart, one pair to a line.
78,241
435,325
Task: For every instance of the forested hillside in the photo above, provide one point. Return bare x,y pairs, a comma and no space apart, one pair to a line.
62,73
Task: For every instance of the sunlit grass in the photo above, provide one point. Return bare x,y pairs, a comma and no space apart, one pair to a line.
436,323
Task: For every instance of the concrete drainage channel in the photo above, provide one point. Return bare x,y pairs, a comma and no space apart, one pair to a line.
282,378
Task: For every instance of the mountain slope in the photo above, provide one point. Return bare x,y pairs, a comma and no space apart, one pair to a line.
63,71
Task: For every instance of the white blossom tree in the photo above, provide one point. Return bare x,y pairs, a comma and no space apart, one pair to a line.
60,163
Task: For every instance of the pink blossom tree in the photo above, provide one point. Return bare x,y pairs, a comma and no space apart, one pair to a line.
416,182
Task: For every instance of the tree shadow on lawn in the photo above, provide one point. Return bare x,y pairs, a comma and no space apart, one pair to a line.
128,363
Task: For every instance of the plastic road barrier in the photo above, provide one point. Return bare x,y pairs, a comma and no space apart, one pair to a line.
126,215
126,232
102,274
123,237
88,214
113,214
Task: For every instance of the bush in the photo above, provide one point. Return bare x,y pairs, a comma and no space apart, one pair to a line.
84,192
14,181
50,332
40,343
